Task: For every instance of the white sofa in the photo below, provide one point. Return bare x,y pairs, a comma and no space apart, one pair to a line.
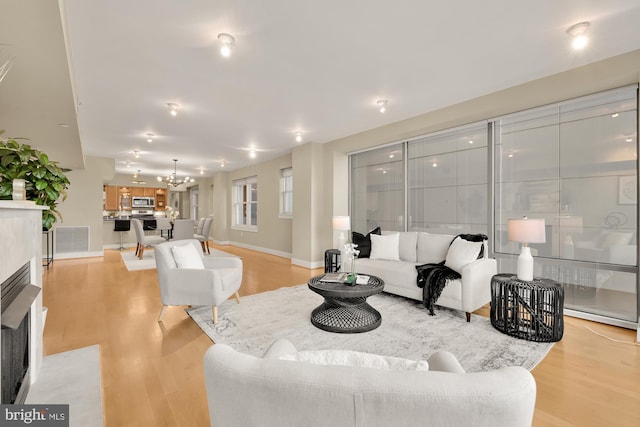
468,293
243,390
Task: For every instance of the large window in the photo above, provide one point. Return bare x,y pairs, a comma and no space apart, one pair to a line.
286,193
245,204
448,181
377,189
575,165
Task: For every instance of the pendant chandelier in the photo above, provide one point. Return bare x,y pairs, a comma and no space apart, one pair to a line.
172,179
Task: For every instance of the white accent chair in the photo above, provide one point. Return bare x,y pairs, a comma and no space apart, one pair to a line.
143,239
284,393
210,283
203,236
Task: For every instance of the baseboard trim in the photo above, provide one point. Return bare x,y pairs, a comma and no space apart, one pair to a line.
307,264
117,246
294,261
69,255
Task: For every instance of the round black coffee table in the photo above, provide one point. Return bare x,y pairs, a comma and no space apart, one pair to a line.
345,308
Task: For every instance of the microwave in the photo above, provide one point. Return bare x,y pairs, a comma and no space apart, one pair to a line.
142,202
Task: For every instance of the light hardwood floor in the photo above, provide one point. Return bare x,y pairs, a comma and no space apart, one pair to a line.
152,373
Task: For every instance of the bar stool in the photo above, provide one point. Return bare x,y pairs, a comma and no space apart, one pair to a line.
121,225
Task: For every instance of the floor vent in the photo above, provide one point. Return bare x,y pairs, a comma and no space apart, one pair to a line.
72,239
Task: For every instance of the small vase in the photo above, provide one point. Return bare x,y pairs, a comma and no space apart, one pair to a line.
19,189
351,278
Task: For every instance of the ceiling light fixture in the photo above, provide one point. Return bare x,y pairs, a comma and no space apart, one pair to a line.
629,139
201,171
172,179
128,164
136,154
136,178
173,108
252,153
149,137
579,33
614,115
227,41
222,164
298,136
382,105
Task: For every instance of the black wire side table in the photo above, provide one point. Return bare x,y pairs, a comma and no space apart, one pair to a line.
529,310
331,260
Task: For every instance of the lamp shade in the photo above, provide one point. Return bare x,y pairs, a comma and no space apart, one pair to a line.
341,223
526,230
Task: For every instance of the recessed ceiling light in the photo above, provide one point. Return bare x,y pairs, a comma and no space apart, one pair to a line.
252,153
149,137
128,164
579,33
614,115
629,139
63,125
201,171
222,164
382,105
226,41
136,154
471,141
298,136
510,155
391,156
173,108
435,165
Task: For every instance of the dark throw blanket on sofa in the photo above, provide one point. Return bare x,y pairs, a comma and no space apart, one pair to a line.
433,277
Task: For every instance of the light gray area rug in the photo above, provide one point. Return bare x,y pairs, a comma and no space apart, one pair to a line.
148,261
72,378
406,331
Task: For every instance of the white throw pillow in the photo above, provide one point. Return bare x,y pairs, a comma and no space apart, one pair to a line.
408,246
187,256
433,248
356,358
462,252
385,247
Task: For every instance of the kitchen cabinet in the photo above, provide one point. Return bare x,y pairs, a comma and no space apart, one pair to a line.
137,191
149,192
111,199
125,197
161,199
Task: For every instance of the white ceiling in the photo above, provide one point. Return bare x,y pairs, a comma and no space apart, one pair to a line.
313,66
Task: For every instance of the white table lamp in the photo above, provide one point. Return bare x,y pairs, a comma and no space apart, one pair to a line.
342,224
526,231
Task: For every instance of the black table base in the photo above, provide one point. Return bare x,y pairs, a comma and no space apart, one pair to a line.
346,315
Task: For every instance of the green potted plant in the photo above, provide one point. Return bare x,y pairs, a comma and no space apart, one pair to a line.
45,182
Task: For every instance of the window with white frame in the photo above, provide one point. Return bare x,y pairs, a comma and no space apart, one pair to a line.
286,193
245,204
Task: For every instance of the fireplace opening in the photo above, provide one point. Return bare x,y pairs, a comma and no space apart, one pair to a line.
16,296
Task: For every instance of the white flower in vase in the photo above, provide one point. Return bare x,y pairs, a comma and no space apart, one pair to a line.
351,254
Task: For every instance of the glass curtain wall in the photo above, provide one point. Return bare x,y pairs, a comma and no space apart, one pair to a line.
378,189
575,165
447,174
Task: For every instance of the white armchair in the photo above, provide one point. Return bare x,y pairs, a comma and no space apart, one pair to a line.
187,277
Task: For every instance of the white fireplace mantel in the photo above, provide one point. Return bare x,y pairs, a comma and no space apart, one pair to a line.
21,243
